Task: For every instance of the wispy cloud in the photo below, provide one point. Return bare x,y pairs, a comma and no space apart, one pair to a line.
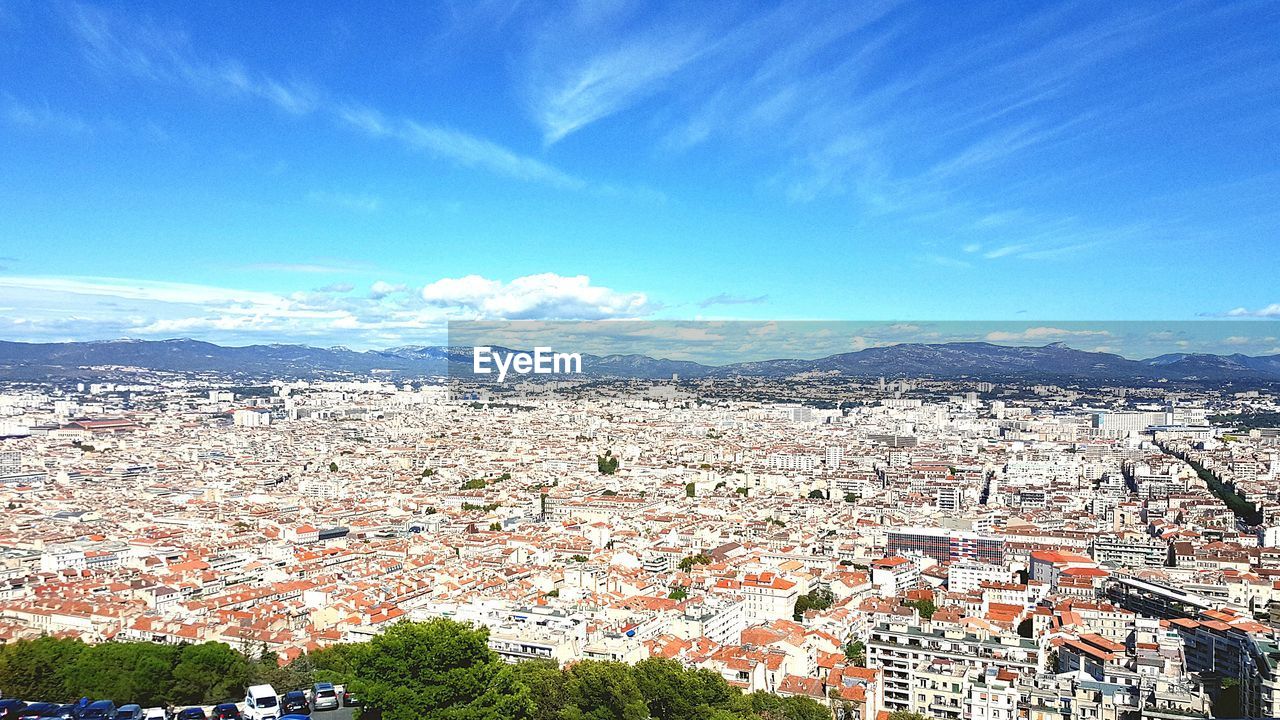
144,50
570,97
946,261
727,299
356,202
40,116
316,268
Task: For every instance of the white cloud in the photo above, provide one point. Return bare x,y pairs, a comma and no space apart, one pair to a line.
51,308
382,288
1270,311
1042,333
546,296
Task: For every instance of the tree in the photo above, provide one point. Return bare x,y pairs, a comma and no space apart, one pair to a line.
209,673
686,563
904,715
477,484
35,668
850,498
689,489
678,593
817,599
855,651
333,466
604,691
817,495
775,707
436,669
607,464
675,693
924,606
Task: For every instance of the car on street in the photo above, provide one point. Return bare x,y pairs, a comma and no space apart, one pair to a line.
129,712
226,711
11,708
38,710
191,713
261,702
99,710
295,702
324,696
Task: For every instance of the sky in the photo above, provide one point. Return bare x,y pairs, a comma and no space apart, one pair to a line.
342,174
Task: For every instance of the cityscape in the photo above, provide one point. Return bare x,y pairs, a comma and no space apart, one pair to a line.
629,360
951,548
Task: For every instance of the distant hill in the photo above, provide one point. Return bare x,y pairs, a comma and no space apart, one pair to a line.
979,360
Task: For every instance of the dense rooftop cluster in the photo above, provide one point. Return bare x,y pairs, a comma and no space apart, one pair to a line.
957,550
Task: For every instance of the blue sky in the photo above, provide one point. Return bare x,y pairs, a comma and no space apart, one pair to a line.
258,172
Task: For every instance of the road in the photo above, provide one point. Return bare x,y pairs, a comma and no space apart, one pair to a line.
345,713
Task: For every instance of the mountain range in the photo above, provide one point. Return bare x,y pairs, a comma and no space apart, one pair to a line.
978,360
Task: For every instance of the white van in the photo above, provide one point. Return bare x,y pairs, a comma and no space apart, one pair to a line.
261,703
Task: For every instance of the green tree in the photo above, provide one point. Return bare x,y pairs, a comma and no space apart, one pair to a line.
675,693
209,673
924,606
850,498
333,467
603,691
817,495
816,599
855,651
607,463
775,707
689,489
678,593
686,563
140,672
35,668
436,669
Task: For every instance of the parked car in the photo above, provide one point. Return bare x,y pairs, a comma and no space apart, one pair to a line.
99,710
295,701
156,713
65,712
129,712
226,711
324,696
34,711
261,702
191,713
350,699
295,717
